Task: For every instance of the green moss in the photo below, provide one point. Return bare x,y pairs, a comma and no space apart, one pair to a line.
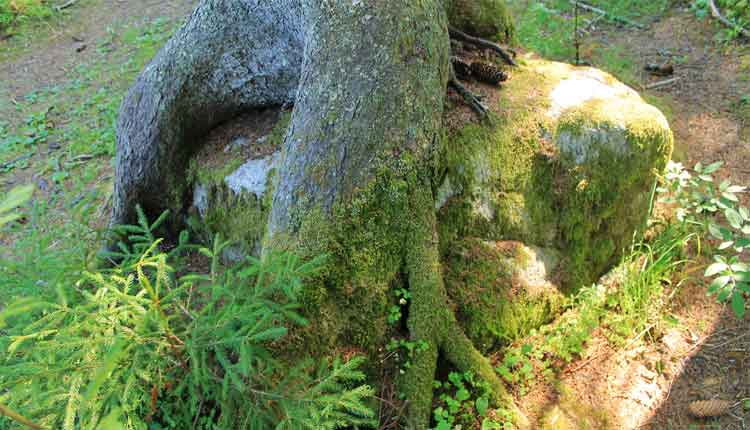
482,18
501,172
569,413
241,218
605,195
493,305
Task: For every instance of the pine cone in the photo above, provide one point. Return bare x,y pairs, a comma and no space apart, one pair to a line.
462,69
488,73
709,408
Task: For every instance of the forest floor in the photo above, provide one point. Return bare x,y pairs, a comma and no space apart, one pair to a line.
59,95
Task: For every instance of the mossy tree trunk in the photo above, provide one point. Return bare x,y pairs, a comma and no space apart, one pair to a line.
368,81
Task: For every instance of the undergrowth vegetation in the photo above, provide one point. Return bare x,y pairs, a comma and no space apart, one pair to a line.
736,11
549,29
152,344
630,303
13,12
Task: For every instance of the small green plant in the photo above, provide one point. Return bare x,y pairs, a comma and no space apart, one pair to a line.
141,347
736,11
715,212
464,403
517,367
405,351
402,299
15,11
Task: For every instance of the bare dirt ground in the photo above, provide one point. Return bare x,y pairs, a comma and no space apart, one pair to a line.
48,59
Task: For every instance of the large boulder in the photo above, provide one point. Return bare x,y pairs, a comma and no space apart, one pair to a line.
568,162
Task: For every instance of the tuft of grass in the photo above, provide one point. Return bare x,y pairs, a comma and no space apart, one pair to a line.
14,12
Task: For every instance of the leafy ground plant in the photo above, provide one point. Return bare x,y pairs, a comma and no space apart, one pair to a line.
15,198
736,11
715,211
15,11
463,403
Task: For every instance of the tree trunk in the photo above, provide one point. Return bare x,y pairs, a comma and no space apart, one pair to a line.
356,180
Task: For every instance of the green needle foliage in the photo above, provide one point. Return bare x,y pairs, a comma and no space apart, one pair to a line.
15,198
150,345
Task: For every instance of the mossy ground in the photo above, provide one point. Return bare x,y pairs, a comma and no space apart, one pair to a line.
492,304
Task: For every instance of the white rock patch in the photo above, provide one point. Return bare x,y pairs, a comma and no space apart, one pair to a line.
252,176
584,85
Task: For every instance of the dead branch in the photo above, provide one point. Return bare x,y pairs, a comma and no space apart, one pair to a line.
662,83
716,14
65,5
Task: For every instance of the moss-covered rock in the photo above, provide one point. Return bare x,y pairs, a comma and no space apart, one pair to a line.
482,18
501,290
567,162
232,179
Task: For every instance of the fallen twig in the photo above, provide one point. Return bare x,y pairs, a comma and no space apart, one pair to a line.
16,160
621,19
482,43
662,83
716,14
65,5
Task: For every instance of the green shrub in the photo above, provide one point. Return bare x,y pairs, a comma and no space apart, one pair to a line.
736,11
715,212
150,345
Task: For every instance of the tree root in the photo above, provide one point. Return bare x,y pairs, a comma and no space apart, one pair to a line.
470,98
482,43
431,320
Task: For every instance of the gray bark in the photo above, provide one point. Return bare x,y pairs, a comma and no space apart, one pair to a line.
230,56
372,85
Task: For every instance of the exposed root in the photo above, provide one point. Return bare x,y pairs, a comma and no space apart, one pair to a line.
431,320
482,43
470,98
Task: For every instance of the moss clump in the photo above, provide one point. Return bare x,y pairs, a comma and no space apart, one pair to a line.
501,173
482,18
240,218
569,413
492,303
